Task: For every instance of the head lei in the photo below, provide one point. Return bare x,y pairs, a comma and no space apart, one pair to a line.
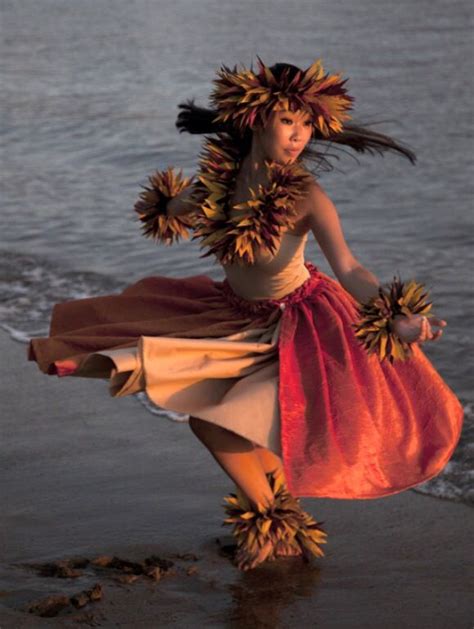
245,98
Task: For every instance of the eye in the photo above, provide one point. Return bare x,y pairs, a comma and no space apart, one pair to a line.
287,120
309,123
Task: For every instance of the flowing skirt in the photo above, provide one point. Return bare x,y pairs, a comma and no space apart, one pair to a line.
287,374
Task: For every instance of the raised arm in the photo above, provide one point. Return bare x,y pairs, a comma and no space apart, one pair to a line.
326,227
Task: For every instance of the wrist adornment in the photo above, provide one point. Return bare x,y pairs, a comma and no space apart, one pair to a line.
151,207
375,328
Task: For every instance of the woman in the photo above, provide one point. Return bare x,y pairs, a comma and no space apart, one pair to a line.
270,364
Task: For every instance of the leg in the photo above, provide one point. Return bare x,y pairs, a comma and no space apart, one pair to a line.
273,463
269,460
237,457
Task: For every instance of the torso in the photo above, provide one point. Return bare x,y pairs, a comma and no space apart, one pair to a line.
272,276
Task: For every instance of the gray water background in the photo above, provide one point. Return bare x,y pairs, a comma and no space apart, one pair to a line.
89,96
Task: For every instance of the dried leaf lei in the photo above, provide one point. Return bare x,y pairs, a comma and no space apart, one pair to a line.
151,207
260,220
374,329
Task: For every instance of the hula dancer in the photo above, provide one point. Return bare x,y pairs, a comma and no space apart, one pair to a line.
299,385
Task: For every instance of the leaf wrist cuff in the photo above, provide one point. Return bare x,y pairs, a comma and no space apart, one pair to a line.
375,327
151,207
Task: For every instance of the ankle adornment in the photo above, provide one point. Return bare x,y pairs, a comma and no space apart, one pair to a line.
264,533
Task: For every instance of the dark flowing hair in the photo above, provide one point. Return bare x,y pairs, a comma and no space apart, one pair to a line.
358,137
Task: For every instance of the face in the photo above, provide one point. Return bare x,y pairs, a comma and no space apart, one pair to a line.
285,135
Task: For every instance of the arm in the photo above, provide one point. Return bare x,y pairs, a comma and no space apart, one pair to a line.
355,278
326,227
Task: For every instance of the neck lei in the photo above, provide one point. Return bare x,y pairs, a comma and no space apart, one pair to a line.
259,221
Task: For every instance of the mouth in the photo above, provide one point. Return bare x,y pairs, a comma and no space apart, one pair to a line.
293,151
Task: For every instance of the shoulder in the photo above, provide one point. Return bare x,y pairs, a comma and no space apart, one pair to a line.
320,213
323,220
315,199
314,191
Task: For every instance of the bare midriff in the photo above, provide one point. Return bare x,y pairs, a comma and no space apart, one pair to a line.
272,276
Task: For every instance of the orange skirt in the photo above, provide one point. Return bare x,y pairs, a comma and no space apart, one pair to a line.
288,374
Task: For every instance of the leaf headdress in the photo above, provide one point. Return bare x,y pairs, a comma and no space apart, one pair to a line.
244,97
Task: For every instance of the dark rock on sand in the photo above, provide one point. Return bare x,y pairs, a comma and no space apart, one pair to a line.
64,569
82,598
53,605
49,606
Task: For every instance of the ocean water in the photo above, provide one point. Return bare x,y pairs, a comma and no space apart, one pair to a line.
89,100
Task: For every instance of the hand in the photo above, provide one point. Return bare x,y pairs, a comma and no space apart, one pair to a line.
417,328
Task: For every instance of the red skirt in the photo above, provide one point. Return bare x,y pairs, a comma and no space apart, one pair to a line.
350,425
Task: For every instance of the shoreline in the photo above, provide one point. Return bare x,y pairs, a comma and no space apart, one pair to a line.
86,475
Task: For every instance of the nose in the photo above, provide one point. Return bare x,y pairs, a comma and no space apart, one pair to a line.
296,133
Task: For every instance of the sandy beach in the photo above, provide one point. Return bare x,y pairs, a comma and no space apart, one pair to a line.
85,475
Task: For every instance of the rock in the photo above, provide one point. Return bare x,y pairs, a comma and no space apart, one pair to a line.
186,556
86,596
116,563
79,562
154,560
153,572
61,569
80,600
96,592
192,570
103,561
49,606
125,565
127,578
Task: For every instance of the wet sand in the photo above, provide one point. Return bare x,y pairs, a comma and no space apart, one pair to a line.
84,475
